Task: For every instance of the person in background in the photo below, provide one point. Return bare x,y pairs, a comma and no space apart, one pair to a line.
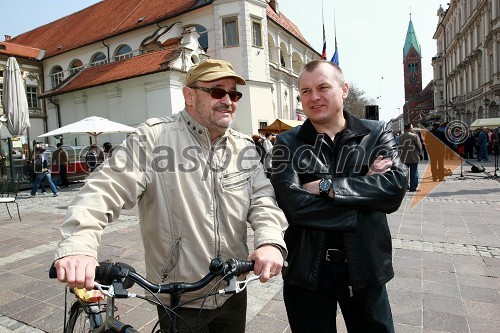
258,140
336,177
189,213
469,145
42,173
106,152
482,142
91,158
410,149
267,144
60,158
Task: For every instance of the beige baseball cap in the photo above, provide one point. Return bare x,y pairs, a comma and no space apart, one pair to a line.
210,70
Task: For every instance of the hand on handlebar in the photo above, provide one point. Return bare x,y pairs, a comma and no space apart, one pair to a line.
76,271
268,261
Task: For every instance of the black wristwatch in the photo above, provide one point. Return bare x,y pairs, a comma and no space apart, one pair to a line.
325,185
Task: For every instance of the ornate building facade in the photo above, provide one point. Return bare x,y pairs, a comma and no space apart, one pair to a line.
467,64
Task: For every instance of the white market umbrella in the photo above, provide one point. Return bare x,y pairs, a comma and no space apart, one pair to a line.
91,125
14,100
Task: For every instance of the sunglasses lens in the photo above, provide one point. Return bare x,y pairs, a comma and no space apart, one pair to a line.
234,95
219,93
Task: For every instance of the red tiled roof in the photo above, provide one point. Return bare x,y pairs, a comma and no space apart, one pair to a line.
15,50
111,17
145,64
101,20
284,22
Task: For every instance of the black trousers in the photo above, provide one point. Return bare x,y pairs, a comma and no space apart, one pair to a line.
229,318
63,173
368,310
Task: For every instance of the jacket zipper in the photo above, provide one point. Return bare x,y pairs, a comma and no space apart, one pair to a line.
216,202
334,174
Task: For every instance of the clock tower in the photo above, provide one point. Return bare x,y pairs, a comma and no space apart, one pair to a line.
412,71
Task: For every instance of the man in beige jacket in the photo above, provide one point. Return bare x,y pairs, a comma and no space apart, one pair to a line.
197,183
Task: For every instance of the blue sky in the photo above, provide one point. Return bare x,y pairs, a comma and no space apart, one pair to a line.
370,36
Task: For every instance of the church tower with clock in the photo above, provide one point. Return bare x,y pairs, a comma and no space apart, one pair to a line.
412,72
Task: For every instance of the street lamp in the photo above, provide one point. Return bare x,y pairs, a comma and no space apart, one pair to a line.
486,107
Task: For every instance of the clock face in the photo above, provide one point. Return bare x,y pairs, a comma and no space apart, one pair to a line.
413,79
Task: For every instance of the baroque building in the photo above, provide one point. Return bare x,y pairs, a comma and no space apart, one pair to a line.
467,64
126,61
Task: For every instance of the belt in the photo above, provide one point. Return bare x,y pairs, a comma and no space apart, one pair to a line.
335,255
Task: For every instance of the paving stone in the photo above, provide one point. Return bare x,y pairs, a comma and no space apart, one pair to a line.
446,249
445,322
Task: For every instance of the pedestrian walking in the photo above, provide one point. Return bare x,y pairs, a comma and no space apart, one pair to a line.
60,158
42,172
411,152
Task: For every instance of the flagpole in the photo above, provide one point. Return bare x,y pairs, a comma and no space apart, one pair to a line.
323,53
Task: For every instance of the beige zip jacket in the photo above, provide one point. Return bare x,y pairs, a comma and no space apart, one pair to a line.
195,200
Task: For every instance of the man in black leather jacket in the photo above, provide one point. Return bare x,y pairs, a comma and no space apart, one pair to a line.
336,177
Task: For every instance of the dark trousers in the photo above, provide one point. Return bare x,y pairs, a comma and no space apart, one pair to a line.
229,318
62,179
413,175
368,310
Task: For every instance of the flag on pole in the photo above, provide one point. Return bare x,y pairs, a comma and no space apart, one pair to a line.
335,58
323,54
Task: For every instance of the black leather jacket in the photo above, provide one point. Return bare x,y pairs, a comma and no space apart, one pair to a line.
358,209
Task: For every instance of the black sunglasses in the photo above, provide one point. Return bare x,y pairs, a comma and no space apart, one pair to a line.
219,93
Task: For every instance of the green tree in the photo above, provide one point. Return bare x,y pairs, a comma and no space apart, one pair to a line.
356,101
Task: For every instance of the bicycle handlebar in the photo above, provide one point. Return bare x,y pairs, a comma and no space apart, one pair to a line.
107,273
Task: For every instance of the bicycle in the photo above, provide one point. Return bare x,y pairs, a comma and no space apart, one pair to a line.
113,280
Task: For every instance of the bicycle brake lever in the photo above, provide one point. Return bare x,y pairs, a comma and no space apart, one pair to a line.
236,286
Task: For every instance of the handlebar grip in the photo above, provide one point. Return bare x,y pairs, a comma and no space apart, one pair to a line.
52,273
237,267
107,272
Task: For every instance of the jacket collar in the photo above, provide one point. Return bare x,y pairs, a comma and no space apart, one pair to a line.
199,131
355,127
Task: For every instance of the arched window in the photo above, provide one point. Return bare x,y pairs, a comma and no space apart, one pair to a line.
203,40
56,76
123,52
76,65
98,58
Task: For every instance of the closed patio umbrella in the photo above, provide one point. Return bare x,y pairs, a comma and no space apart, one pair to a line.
15,103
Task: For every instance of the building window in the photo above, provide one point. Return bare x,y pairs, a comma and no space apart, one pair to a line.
57,76
203,40
98,59
123,52
32,96
262,124
76,66
1,93
230,31
256,33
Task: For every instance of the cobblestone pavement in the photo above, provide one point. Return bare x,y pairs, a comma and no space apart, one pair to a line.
446,259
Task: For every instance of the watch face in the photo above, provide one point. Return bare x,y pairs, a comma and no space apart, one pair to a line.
325,185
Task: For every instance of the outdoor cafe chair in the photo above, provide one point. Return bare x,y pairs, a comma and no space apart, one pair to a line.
10,189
